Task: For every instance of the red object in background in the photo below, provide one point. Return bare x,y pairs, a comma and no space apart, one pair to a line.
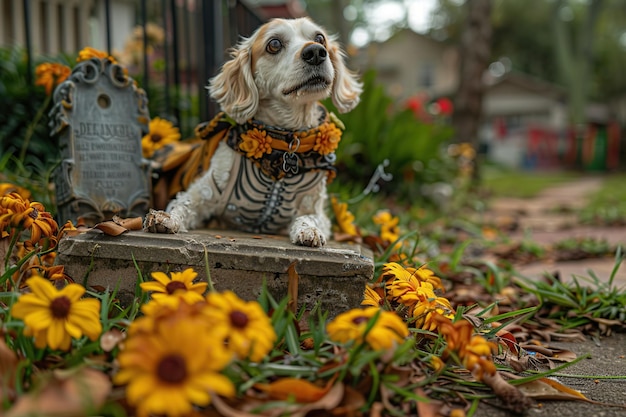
445,106
415,104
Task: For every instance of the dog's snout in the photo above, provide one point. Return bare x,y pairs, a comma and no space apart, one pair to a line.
314,54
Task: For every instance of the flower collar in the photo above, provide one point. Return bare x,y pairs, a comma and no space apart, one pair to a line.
280,152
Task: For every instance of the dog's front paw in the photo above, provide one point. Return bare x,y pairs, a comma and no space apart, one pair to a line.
158,221
308,236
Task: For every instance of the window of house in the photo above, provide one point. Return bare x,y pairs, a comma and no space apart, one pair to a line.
426,75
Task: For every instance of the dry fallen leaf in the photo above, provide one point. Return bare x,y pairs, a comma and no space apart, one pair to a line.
68,393
549,389
132,223
110,228
8,365
110,339
328,402
299,390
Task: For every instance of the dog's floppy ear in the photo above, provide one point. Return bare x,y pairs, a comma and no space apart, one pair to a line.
234,88
346,87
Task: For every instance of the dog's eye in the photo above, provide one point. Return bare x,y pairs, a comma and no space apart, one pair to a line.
274,46
319,38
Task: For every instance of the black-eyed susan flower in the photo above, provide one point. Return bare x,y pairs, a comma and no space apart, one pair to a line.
24,215
389,230
50,74
7,188
372,298
172,368
396,271
473,350
250,334
343,218
161,132
178,283
425,311
354,325
54,317
256,143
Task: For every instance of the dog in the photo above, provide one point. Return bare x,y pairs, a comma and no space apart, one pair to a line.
268,168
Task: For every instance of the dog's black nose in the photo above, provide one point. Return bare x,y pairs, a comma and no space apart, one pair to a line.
314,54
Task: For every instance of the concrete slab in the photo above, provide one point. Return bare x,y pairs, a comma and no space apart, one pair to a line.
335,275
601,377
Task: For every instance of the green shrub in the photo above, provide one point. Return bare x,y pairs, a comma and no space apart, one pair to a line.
376,131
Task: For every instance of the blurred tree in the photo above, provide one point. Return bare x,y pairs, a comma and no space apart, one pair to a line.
579,44
475,57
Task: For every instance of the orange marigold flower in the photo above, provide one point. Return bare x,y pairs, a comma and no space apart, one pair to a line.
327,139
256,143
51,74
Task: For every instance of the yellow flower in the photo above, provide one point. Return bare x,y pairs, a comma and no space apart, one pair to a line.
411,291
88,52
256,143
389,231
7,188
425,311
55,317
51,74
474,351
387,330
344,219
327,139
372,298
19,213
161,132
180,284
172,368
249,332
397,271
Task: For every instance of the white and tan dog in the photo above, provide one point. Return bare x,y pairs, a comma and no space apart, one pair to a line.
269,170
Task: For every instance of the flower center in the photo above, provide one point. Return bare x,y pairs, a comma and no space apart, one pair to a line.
34,214
156,138
60,307
238,319
359,320
172,369
172,286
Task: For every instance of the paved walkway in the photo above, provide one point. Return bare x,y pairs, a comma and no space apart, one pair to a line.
546,219
551,217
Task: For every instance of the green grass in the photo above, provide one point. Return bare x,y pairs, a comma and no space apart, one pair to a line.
608,204
504,183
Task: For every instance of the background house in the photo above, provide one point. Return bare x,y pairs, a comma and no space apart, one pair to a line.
409,63
525,120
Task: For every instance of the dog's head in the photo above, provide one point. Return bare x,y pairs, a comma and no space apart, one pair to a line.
281,71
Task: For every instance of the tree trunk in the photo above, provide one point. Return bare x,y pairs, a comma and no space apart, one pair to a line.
475,56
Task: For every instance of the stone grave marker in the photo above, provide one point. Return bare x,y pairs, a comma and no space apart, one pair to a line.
100,116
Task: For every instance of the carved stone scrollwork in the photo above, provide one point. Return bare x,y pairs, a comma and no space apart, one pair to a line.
100,116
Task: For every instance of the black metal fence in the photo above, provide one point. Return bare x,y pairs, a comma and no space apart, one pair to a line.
197,34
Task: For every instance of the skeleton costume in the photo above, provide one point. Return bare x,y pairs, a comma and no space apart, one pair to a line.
274,172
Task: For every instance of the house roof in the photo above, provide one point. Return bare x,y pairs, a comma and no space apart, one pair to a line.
527,82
